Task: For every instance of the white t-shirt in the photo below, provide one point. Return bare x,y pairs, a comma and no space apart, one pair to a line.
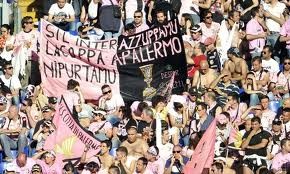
66,11
115,102
277,11
12,83
165,151
271,65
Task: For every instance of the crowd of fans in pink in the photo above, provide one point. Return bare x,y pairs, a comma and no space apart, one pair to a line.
238,74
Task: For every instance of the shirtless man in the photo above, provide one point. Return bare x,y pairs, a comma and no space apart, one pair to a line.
106,159
204,76
136,147
236,65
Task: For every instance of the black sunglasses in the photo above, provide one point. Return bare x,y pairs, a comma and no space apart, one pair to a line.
178,151
28,22
107,92
208,17
286,63
137,16
9,68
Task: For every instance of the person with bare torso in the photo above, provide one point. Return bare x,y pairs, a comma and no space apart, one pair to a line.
136,147
236,65
204,76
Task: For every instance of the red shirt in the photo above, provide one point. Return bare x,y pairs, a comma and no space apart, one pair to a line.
196,65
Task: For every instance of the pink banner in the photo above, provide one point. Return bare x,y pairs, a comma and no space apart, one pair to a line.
70,138
64,57
203,154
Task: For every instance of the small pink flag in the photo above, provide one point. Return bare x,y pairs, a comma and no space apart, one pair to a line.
203,154
70,139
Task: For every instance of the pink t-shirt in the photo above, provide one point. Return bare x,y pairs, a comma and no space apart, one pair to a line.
108,2
56,168
281,80
25,169
23,37
254,28
156,166
141,28
279,160
95,126
285,31
72,99
212,31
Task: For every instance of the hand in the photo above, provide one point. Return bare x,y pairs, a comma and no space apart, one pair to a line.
123,160
264,34
253,132
149,18
172,160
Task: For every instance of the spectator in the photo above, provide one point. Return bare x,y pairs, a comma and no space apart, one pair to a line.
105,158
203,78
36,169
279,85
28,39
11,81
266,112
61,14
166,147
214,108
255,146
111,103
155,164
114,170
191,8
236,65
285,35
130,9
208,27
282,157
136,147
123,161
194,61
138,22
216,168
177,162
8,42
256,32
262,75
285,117
50,162
101,128
268,63
13,133
23,164
141,166
224,86
212,55
204,118
161,19
69,168
41,135
109,22
73,96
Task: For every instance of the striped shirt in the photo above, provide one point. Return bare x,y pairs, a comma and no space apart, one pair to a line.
222,100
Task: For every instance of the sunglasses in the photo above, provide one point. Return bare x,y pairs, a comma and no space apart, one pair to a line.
107,92
9,68
208,17
137,16
1,104
286,63
29,22
178,151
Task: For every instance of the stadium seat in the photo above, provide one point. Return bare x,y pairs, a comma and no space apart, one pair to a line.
274,105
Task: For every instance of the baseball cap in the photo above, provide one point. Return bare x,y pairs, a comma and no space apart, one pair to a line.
52,100
209,41
3,100
46,109
36,168
84,114
50,154
153,150
196,28
235,51
10,167
193,91
276,122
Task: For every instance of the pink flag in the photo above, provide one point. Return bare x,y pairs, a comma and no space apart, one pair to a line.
70,139
203,154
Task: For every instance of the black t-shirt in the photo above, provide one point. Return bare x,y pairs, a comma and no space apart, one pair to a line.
257,139
214,60
37,125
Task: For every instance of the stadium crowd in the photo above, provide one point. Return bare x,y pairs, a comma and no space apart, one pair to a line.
238,60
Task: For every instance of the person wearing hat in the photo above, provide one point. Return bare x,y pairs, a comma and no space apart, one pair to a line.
101,128
36,169
10,169
191,99
47,113
155,164
49,161
236,65
196,35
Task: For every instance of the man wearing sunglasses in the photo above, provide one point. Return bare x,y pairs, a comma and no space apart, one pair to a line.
208,27
280,85
175,164
111,103
28,38
140,25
